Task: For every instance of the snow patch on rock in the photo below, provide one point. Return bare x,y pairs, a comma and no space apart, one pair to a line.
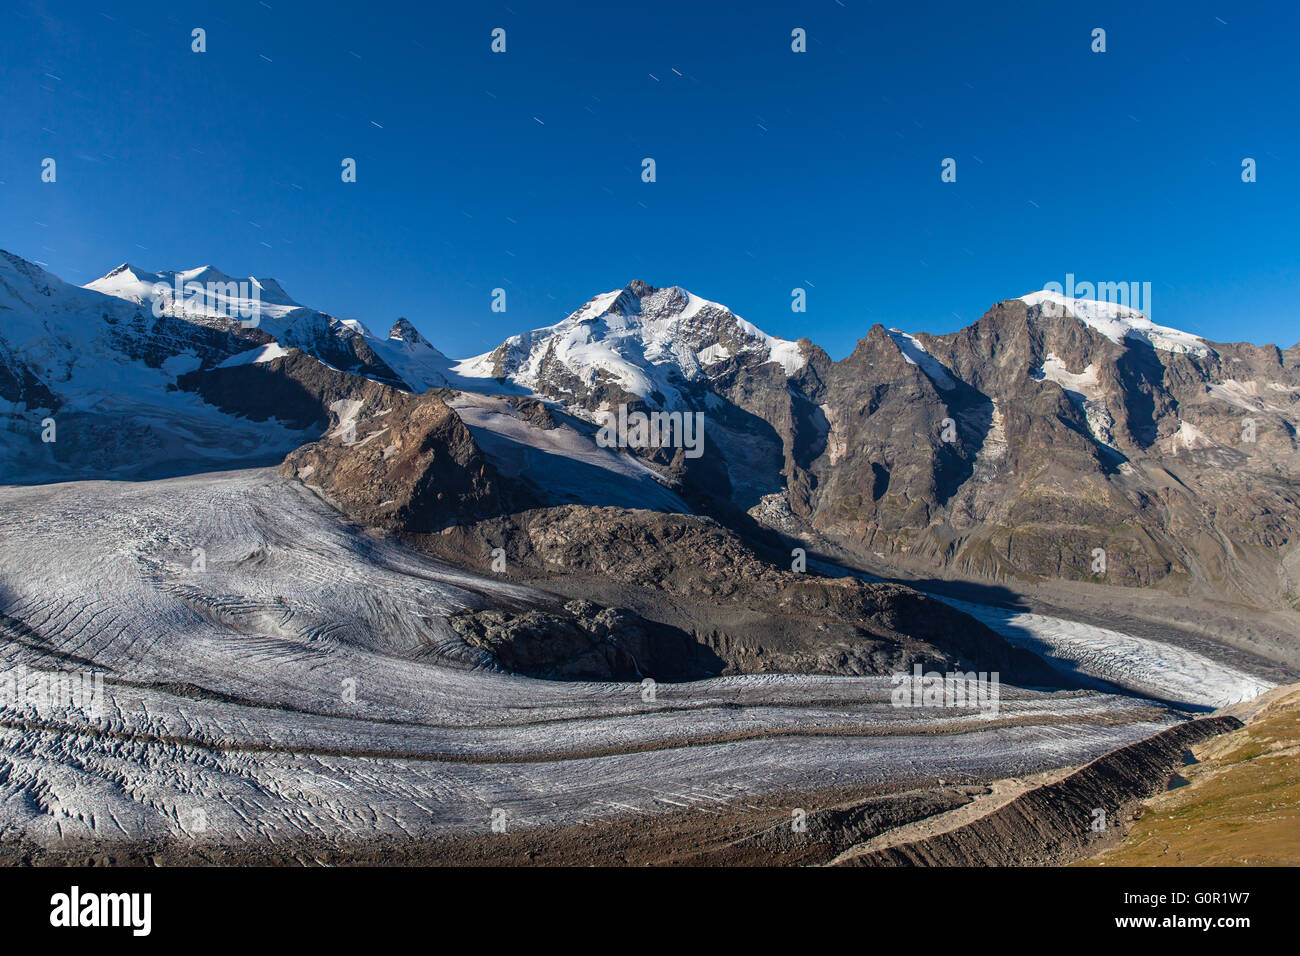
914,353
1084,390
258,356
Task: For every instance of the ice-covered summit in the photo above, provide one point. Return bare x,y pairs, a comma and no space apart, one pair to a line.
223,295
1118,322
207,294
644,340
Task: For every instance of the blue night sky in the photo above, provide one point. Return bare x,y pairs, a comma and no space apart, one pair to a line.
775,170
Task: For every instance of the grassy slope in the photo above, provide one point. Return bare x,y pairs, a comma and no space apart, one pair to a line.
1241,804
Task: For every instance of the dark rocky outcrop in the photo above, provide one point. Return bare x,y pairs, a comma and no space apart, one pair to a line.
670,596
296,389
535,412
697,577
584,641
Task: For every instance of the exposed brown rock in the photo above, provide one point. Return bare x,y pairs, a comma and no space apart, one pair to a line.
399,462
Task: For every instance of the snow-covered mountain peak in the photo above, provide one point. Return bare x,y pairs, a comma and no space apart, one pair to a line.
1118,322
272,291
127,271
16,271
628,301
645,340
262,304
140,286
204,274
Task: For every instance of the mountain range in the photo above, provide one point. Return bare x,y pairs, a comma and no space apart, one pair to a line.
1053,438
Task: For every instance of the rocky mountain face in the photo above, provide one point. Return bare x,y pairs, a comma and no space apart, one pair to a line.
1180,463
387,457
649,592
1054,438
399,462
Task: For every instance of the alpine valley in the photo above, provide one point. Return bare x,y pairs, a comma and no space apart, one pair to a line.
353,600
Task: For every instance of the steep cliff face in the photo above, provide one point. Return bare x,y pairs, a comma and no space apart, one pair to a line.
1176,457
399,462
420,475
